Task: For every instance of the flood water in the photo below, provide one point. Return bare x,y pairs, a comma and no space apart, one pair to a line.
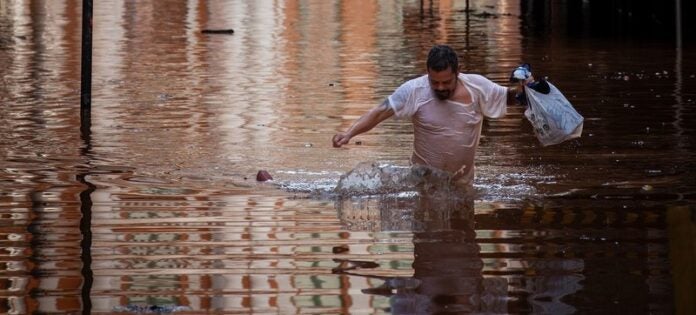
157,209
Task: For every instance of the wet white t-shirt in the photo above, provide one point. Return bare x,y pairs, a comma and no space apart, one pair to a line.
446,133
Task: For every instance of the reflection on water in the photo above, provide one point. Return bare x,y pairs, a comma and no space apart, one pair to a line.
547,258
183,120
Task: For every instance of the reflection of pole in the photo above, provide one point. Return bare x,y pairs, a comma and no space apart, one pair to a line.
678,77
678,23
466,34
86,243
86,88
85,124
467,26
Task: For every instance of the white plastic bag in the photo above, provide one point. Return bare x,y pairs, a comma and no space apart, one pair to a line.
553,117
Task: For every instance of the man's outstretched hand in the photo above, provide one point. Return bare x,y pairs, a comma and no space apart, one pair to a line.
340,139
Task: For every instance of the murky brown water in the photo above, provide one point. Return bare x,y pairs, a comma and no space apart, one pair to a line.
181,122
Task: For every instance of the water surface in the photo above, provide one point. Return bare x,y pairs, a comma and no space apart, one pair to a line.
182,121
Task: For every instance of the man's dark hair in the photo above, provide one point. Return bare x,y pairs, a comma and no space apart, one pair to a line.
442,57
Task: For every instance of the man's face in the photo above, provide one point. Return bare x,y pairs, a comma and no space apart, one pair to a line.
443,82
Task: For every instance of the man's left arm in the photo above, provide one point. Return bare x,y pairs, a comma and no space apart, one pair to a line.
495,98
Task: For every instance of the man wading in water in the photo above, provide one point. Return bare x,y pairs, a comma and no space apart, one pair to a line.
447,109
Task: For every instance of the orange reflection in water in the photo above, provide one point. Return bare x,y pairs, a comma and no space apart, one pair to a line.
180,119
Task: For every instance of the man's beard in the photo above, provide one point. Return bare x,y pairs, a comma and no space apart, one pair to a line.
443,94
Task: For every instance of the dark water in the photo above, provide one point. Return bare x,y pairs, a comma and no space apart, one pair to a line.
182,121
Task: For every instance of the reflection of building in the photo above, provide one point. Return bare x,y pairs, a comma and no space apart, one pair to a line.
161,86
606,18
447,267
39,207
562,258
511,267
220,252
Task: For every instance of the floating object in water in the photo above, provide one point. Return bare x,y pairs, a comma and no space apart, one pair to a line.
347,264
151,309
373,178
340,249
263,176
220,31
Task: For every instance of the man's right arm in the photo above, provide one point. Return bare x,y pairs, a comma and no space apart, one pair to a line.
365,123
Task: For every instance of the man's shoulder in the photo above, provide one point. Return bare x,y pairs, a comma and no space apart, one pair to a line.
478,82
417,80
415,83
472,77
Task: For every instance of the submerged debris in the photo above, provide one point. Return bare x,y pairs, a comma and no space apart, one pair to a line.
373,178
340,249
150,309
219,31
263,176
347,265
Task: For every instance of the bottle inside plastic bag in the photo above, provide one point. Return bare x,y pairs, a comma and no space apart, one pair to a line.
553,117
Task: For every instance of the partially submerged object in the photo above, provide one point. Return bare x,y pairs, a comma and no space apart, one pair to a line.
372,178
384,197
218,31
263,176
